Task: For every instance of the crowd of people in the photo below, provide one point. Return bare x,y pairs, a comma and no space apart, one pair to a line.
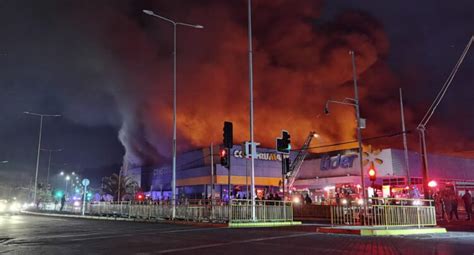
447,203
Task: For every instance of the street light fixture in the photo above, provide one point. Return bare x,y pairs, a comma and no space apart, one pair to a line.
355,103
326,108
175,24
39,145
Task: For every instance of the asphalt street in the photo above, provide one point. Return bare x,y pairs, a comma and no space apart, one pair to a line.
24,234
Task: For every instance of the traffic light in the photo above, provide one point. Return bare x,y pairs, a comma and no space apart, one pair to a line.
283,144
286,165
58,194
432,184
228,134
372,173
225,159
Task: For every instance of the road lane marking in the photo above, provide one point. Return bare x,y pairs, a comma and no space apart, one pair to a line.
134,234
234,242
98,236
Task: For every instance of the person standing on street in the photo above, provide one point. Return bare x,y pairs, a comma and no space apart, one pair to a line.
467,199
445,206
63,201
454,207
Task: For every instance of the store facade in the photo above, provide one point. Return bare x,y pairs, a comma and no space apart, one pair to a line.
321,175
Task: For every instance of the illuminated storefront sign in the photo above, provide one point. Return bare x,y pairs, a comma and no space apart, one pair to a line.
261,155
339,161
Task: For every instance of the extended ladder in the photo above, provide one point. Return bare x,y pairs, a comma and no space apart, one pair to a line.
296,164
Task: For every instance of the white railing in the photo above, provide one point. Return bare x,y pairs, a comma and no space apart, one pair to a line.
241,211
265,211
150,211
387,212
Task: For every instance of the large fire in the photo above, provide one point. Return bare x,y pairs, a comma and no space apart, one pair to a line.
297,67
300,61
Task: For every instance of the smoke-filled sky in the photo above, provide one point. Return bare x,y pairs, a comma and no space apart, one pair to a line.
107,68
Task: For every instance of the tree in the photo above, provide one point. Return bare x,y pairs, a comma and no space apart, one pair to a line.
110,185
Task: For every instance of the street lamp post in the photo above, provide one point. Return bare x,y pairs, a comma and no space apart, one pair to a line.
39,145
50,151
175,24
252,159
67,179
355,103
119,184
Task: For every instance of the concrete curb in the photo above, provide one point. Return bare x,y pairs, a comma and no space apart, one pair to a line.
381,232
88,217
263,224
161,221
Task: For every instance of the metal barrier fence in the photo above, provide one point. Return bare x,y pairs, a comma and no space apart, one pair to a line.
149,211
305,211
265,211
386,212
240,210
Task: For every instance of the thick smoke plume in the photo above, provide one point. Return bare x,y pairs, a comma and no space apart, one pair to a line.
300,61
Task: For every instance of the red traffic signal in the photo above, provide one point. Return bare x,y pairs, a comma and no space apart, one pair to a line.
225,159
140,197
372,173
432,184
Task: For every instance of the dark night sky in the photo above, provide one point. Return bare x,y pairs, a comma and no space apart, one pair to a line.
98,62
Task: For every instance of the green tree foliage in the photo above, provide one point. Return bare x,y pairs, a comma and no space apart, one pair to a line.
110,185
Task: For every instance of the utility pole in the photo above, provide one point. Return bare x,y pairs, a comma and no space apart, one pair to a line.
212,174
359,132
405,145
426,118
354,102
252,159
228,183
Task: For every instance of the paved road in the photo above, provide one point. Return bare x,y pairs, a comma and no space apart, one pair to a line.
24,234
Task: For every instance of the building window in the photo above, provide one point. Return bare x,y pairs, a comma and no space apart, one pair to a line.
394,181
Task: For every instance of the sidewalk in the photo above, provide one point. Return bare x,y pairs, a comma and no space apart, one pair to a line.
457,225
